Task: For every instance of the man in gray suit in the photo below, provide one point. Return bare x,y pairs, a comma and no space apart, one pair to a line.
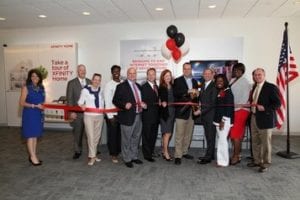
208,96
73,93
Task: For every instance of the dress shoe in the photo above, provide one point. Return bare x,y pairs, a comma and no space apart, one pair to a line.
155,155
188,156
262,169
150,159
137,161
91,161
252,164
76,155
129,164
203,161
177,161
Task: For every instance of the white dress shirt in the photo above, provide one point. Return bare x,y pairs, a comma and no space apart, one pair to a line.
109,91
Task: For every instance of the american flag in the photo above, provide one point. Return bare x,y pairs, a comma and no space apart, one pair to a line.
286,59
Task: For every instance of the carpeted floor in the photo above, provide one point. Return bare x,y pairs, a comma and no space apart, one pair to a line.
60,177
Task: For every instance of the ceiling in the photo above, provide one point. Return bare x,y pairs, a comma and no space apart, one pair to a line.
24,13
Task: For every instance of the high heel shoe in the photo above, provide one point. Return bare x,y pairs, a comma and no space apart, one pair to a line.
235,161
167,159
34,164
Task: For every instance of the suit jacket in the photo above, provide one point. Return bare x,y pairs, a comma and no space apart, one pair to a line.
124,94
208,99
180,91
269,98
74,90
224,106
150,97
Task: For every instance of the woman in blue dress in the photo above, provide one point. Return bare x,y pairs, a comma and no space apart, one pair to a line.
31,99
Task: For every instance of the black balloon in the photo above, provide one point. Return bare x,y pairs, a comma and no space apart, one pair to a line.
172,31
179,39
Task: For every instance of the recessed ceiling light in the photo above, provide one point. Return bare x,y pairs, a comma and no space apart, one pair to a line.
2,19
86,13
212,6
159,9
42,16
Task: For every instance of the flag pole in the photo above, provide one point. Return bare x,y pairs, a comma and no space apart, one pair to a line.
287,154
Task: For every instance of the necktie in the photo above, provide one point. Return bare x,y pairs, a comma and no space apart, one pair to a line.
155,89
137,98
82,83
255,97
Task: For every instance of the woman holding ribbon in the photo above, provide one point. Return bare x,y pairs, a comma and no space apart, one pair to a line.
31,99
91,97
240,88
167,114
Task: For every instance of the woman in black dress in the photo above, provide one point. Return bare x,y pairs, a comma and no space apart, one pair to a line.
167,114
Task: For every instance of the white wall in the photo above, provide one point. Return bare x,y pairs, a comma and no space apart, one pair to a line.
99,45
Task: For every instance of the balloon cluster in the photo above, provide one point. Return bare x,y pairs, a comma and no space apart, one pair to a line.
175,46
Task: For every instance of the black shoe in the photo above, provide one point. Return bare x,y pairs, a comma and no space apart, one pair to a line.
203,161
252,164
34,164
177,161
167,159
76,155
129,164
155,155
137,161
150,159
188,156
98,152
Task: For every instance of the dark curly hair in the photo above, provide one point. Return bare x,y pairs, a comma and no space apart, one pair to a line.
225,80
38,73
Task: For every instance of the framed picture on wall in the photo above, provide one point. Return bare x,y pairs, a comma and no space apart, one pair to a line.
220,67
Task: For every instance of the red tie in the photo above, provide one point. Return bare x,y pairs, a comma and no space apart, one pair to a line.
137,98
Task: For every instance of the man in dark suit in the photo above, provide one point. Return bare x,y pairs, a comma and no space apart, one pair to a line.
185,90
128,99
150,116
264,100
74,88
208,96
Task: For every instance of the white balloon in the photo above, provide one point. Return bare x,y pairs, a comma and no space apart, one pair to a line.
165,52
185,48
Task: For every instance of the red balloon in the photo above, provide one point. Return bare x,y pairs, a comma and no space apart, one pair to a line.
176,54
171,44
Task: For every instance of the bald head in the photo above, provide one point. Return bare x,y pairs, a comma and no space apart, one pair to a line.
131,74
81,71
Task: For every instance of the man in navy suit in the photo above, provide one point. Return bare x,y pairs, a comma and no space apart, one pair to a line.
128,99
185,87
150,116
265,101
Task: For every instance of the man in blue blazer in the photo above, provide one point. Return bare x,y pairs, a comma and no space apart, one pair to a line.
265,100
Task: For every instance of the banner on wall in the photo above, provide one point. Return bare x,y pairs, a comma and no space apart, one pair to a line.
58,61
143,54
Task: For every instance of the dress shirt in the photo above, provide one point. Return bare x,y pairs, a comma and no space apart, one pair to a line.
109,92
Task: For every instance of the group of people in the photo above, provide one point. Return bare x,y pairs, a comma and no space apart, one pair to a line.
135,111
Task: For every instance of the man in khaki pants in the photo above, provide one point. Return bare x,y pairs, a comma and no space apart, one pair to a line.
184,87
265,101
